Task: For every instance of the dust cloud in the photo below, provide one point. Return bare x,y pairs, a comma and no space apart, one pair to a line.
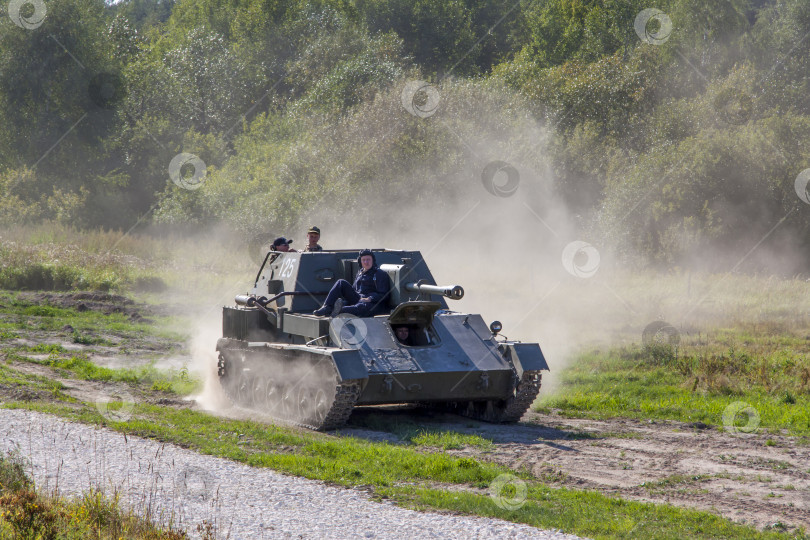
204,362
497,227
507,254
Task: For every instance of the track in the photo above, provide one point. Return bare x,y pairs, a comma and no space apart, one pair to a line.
289,386
508,410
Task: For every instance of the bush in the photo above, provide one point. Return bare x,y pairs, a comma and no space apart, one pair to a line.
12,474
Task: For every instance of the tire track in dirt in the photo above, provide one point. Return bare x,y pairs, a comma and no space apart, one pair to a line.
742,477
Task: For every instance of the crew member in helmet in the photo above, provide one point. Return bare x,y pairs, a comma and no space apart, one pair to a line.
365,298
313,235
281,244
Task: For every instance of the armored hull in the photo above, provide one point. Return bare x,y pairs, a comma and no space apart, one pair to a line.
279,359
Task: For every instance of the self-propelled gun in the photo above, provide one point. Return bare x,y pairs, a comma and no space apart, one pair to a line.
279,359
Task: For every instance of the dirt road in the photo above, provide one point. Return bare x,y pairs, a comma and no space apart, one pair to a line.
758,479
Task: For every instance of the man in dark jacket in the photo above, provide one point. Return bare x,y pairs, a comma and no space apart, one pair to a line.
368,295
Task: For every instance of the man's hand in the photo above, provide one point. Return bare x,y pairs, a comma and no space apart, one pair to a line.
365,299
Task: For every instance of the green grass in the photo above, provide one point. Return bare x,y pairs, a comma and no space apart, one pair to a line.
175,381
27,514
695,383
50,256
12,378
412,477
449,440
22,313
410,431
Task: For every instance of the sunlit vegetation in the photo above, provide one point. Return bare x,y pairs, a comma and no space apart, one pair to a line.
697,380
290,104
26,513
412,477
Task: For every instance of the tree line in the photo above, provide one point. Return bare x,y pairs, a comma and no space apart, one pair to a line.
699,111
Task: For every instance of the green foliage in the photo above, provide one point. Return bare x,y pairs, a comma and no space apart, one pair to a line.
562,30
62,268
12,474
290,104
695,382
25,514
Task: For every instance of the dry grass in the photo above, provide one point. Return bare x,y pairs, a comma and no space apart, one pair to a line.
28,514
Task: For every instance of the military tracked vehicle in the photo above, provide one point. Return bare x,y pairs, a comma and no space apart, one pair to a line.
279,359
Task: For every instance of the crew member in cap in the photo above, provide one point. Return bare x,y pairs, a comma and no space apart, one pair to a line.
313,235
366,298
281,244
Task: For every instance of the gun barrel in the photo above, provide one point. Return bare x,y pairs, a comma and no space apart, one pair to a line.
249,301
244,300
454,292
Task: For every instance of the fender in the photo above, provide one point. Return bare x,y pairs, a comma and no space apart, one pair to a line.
349,365
527,357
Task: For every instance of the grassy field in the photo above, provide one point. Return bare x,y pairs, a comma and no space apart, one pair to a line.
705,378
55,257
414,471
415,474
762,362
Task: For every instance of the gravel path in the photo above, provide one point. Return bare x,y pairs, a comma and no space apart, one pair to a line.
171,483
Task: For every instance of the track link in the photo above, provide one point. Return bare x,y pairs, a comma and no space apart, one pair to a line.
346,395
